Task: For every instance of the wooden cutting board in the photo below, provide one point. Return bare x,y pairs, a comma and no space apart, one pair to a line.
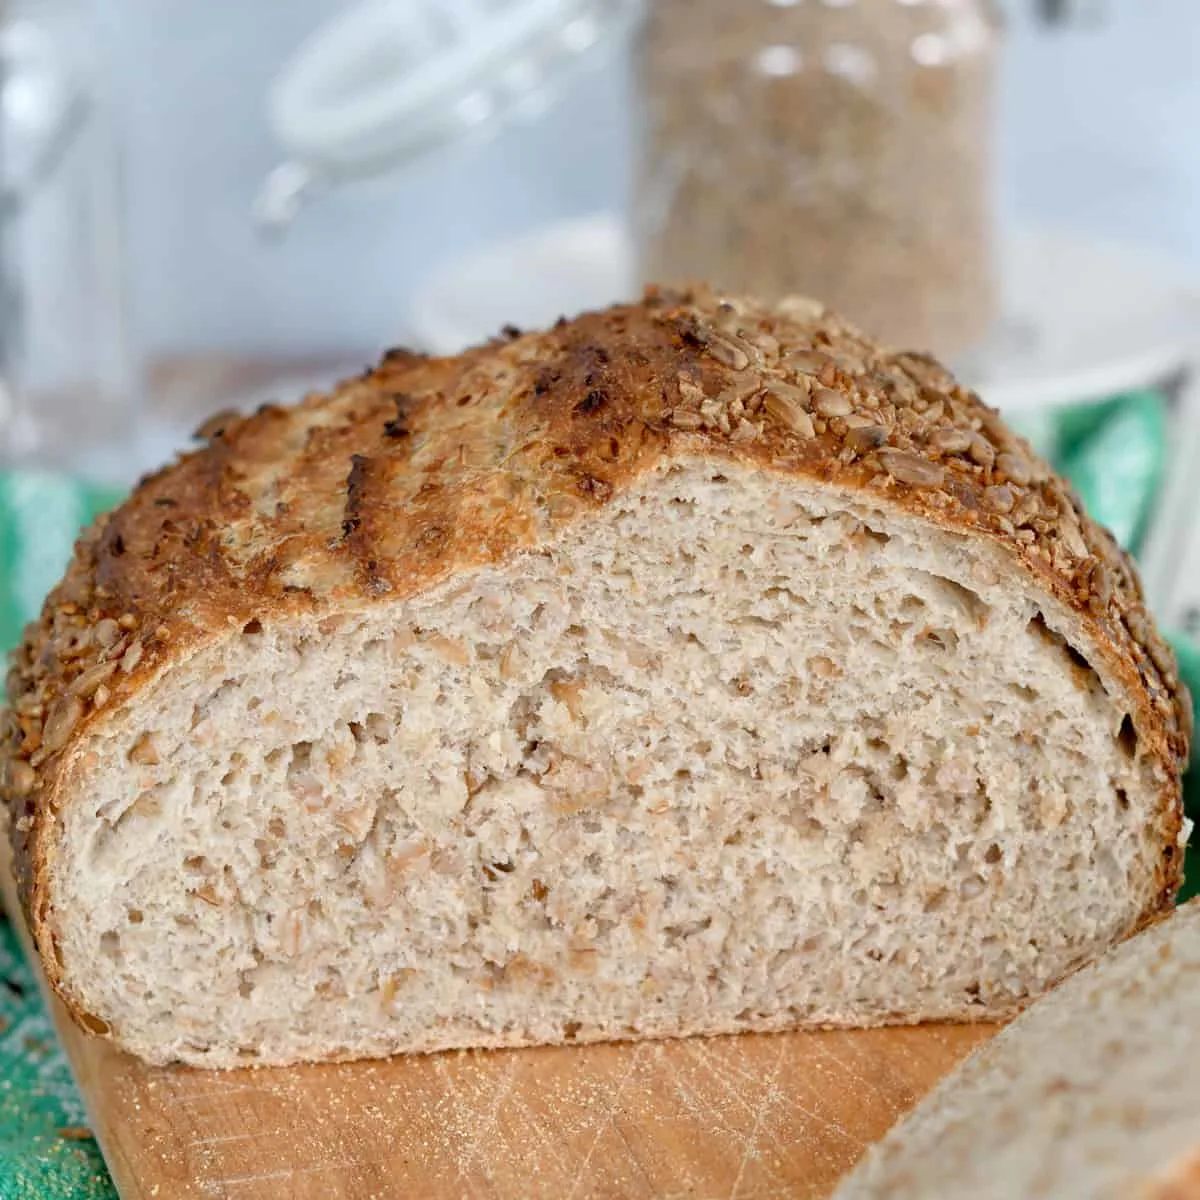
735,1118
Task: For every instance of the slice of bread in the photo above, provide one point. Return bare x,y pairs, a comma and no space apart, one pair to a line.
690,667
1094,1092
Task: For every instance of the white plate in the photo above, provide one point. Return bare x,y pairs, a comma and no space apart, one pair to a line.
1082,319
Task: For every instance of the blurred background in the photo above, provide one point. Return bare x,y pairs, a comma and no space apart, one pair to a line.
211,204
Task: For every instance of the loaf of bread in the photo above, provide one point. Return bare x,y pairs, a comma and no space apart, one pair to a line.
691,667
1094,1092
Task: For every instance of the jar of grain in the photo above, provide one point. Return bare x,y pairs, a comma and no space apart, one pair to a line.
838,148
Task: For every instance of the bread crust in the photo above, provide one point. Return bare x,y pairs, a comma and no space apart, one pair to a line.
426,467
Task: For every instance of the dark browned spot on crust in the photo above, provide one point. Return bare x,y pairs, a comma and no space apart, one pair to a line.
595,489
356,486
397,426
595,400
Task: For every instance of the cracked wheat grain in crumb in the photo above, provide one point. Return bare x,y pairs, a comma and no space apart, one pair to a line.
693,666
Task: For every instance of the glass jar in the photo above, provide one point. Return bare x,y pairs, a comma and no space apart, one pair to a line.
837,148
69,392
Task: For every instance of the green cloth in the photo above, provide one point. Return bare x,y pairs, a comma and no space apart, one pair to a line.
1114,454
45,1152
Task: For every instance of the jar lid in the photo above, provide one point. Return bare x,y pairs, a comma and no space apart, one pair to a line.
389,79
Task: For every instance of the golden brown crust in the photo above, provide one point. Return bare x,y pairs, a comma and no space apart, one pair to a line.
425,467
1181,1181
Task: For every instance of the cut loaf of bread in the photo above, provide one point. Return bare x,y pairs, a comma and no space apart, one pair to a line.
690,667
1093,1093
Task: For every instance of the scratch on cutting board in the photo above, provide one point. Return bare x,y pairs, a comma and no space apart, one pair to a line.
609,1119
775,1096
192,1095
847,1067
751,1146
547,1144
721,1067
486,1125
214,1186
222,1139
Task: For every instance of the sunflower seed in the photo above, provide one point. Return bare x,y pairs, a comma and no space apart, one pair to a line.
60,722
999,499
1098,583
949,440
811,362
789,411
1161,656
831,404
730,351
767,345
797,397
981,452
1027,508
19,777
911,468
1014,468
131,657
86,684
1072,538
106,632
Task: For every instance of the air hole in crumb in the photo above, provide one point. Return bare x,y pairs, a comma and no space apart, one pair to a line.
134,916
571,1030
719,479
1028,694
945,639
994,854
301,757
877,535
1038,627
252,627
110,944
196,862
1127,738
1122,800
